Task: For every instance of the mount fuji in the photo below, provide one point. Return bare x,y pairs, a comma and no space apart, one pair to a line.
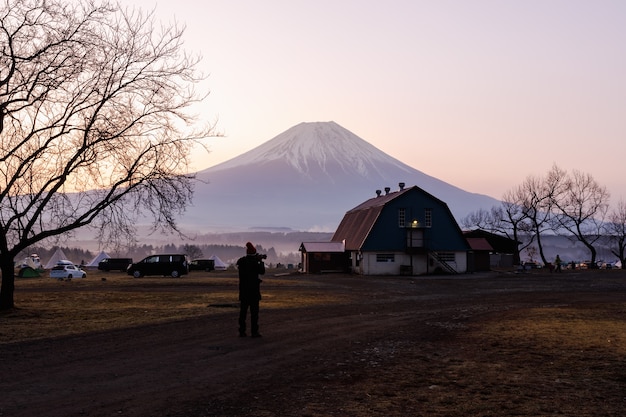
305,179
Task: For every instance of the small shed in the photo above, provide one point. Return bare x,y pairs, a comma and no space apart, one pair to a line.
505,252
324,257
479,258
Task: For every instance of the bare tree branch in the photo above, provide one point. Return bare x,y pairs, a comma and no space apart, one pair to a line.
581,210
616,229
95,126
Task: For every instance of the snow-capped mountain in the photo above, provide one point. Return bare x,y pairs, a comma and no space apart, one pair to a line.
319,151
306,178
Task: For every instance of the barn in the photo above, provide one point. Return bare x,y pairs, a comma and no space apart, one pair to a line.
402,232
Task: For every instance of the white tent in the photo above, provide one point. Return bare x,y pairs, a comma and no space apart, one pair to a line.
219,265
31,261
95,261
58,255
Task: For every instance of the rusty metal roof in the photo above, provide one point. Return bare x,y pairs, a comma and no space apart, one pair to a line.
356,225
479,243
358,222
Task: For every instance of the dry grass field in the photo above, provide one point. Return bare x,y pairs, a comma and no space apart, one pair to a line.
491,344
108,300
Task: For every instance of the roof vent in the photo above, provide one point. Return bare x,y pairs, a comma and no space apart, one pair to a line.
378,192
401,185
387,189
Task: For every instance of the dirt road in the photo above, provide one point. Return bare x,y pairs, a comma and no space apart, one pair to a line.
387,347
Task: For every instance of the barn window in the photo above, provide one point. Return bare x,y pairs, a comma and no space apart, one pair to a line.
385,257
447,256
401,217
428,217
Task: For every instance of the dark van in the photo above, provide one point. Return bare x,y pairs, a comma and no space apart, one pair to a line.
202,265
114,264
173,265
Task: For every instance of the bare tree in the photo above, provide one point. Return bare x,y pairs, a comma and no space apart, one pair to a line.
581,210
535,205
94,123
537,195
514,215
479,219
556,203
192,251
509,219
616,229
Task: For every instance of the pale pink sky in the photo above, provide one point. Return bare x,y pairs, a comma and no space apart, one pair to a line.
478,93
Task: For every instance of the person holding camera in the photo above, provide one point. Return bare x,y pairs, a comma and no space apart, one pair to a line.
250,268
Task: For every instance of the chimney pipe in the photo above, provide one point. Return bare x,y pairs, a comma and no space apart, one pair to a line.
401,185
378,193
387,189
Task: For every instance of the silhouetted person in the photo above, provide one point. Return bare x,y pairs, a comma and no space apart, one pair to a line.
557,263
250,267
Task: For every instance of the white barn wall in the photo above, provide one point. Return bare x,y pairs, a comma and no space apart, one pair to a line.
369,266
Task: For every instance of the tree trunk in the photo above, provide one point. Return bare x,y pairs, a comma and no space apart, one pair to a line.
621,248
8,284
593,251
516,255
540,246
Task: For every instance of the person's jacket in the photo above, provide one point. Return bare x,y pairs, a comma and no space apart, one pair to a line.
250,267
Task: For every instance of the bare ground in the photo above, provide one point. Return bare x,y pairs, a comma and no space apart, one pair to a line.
494,344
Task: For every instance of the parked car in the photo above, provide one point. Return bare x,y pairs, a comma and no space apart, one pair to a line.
114,264
173,265
531,265
66,270
202,265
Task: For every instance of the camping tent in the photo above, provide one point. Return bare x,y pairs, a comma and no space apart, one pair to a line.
31,261
95,261
219,265
58,255
28,272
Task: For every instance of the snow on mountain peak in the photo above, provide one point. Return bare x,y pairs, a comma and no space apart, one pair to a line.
317,146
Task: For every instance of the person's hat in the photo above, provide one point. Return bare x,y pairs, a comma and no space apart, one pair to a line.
250,249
